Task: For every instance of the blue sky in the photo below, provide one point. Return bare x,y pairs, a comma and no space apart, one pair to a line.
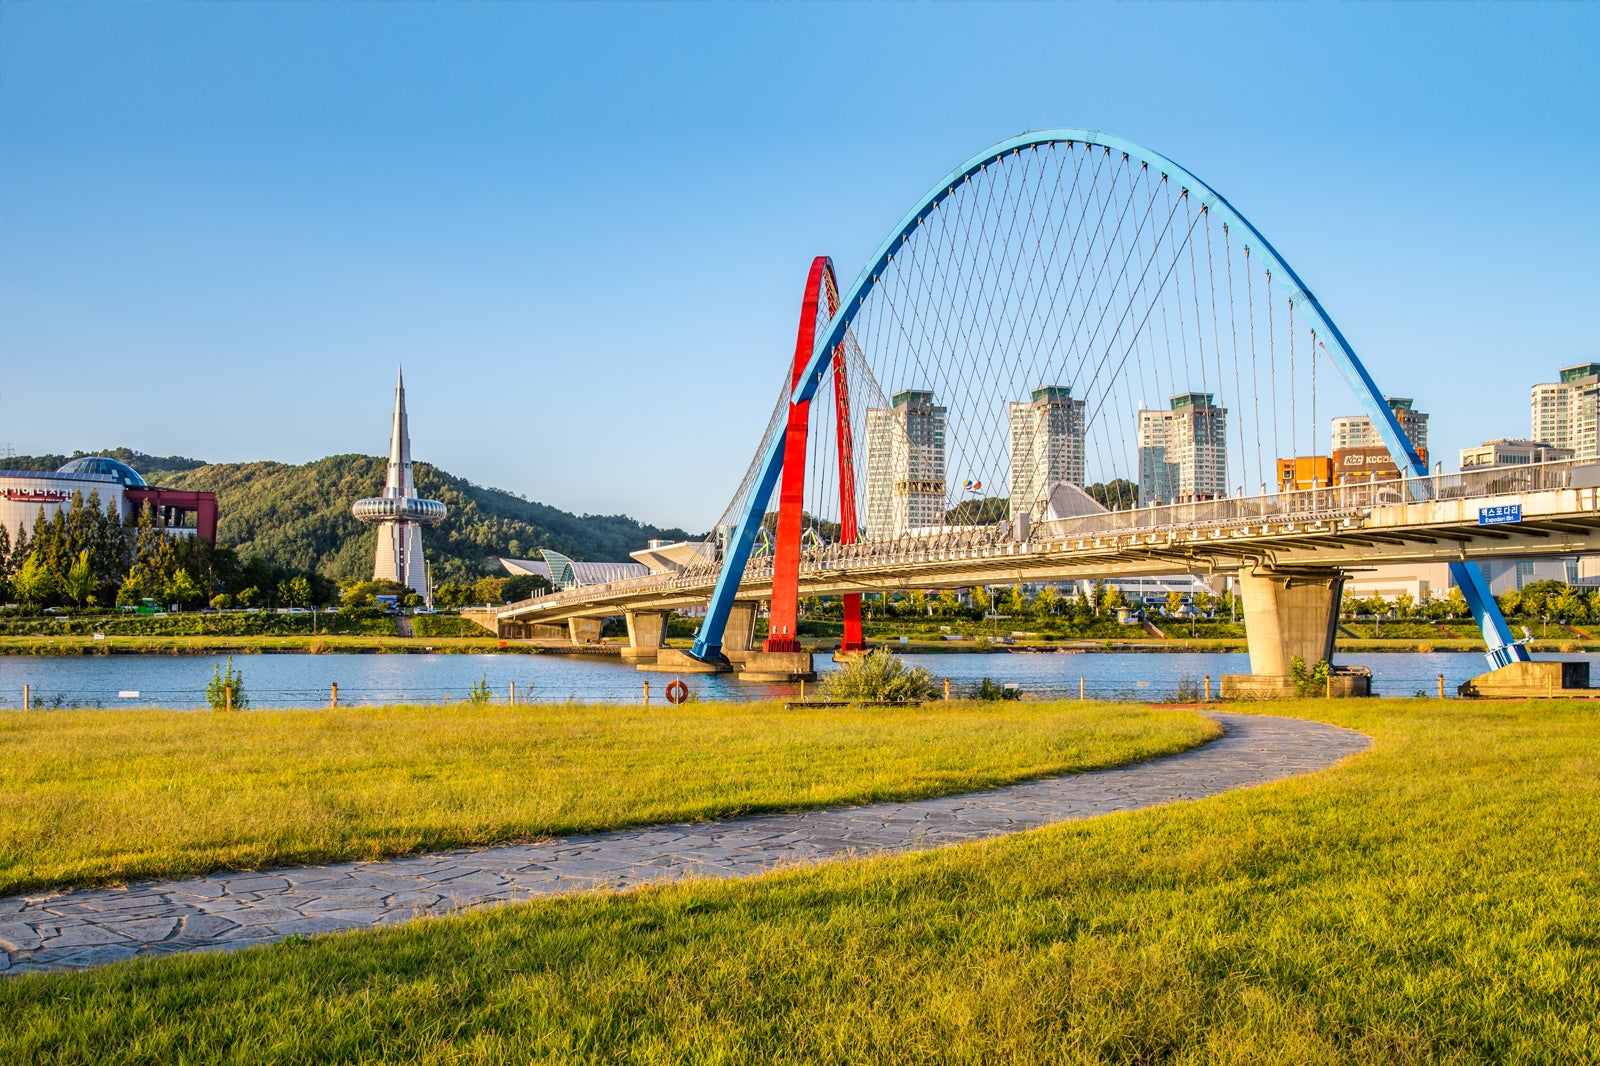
584,229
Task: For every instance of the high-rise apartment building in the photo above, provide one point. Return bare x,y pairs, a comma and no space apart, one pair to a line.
1183,453
905,465
1046,446
1357,431
1566,413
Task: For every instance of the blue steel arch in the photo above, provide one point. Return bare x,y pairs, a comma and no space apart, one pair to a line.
1502,649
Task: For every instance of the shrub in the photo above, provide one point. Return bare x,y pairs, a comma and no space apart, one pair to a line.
988,690
446,625
878,676
480,693
1313,682
223,683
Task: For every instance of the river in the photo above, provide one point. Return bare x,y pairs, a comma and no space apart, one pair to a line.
305,680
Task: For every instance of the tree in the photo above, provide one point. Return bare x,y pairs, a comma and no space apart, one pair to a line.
296,592
181,589
1047,602
521,587
488,590
1174,602
80,583
1016,603
1111,597
366,593
1403,605
33,584
979,599
1455,604
949,603
1118,494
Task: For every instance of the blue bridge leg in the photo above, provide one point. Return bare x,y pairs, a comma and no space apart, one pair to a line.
708,641
1503,649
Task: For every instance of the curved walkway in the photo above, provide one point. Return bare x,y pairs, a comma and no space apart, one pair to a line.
82,928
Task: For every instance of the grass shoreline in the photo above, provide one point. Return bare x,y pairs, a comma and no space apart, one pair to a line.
368,645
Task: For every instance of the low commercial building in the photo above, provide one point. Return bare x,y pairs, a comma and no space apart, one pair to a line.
25,493
1492,453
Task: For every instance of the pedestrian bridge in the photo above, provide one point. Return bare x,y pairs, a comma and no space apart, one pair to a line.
1068,315
1453,518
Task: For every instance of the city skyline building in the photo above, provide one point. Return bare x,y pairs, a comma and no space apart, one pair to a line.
400,513
1566,413
1046,446
1183,452
1352,432
905,465
1503,452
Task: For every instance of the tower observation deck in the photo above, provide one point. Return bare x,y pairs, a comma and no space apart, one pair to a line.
400,512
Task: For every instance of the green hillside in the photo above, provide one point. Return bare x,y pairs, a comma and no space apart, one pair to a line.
298,517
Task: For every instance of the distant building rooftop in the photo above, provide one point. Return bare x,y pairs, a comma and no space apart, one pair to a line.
563,573
104,466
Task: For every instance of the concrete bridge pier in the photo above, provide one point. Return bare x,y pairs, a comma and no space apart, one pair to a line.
584,630
737,639
647,635
740,635
1289,614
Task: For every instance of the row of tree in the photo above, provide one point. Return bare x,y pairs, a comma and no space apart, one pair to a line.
86,556
1541,599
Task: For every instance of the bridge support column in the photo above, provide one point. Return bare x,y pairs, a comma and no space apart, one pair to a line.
1289,615
740,635
584,630
647,635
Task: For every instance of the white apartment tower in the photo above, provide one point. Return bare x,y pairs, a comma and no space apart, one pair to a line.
1183,453
1357,431
1046,446
1566,413
905,465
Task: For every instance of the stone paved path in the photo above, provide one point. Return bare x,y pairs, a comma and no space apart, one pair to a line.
84,928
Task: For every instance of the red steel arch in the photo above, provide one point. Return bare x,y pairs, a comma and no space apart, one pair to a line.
784,614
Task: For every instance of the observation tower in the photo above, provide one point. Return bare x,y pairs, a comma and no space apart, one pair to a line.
400,512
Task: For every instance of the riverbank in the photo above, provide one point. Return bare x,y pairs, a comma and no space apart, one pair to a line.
370,645
262,645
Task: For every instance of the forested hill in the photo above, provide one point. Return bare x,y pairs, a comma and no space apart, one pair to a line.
299,518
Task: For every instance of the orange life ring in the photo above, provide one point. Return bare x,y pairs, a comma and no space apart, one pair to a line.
677,691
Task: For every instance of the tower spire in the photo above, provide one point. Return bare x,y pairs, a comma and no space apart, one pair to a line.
398,484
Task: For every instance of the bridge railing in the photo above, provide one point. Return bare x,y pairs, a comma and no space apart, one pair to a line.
1330,504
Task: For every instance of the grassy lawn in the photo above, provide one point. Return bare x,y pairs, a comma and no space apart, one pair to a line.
1436,899
96,796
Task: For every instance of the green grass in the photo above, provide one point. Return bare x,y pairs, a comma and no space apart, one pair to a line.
1436,899
89,797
